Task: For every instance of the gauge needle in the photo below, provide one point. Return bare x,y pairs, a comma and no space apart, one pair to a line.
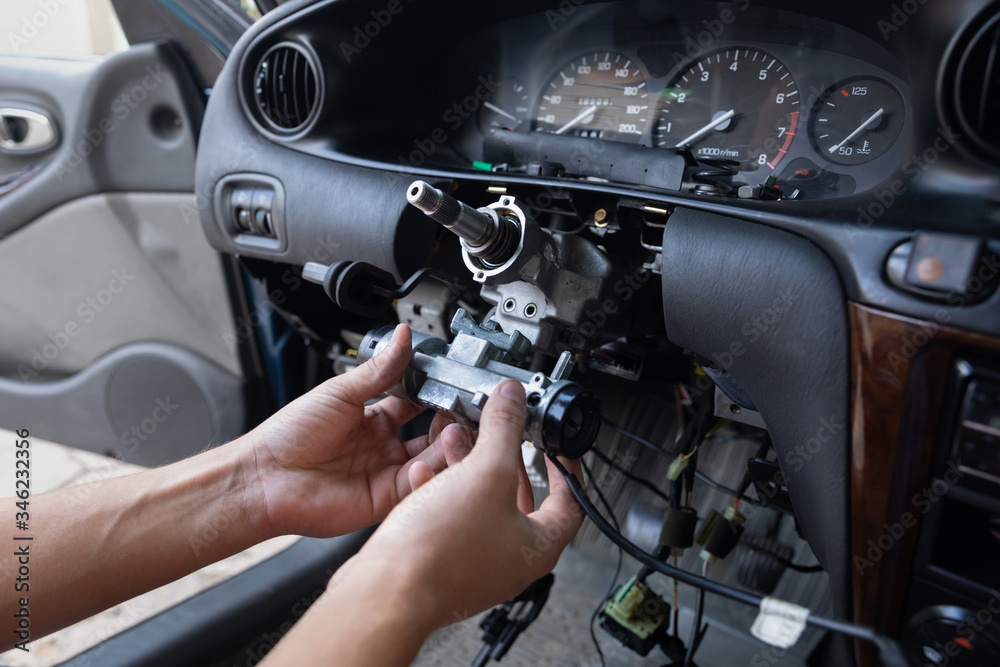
708,128
580,117
861,128
495,109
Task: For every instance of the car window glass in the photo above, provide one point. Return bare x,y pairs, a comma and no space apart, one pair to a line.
247,8
61,27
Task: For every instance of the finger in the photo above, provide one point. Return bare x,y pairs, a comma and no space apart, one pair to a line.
557,482
525,496
501,428
416,446
397,410
377,374
419,474
559,515
456,443
438,424
451,447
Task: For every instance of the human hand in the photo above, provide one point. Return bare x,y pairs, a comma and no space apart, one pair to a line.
469,539
326,465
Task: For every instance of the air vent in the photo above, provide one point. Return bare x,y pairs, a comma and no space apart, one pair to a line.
977,87
286,88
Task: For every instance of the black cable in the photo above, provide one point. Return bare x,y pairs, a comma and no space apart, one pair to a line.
618,567
708,481
641,440
638,480
889,651
702,477
699,611
807,569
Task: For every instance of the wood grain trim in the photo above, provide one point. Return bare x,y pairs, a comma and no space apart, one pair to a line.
899,367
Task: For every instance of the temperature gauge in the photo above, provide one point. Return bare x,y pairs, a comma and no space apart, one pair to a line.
857,120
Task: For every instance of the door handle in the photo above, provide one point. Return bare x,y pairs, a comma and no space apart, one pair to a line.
24,131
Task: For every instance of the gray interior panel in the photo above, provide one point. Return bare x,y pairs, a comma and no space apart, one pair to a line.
104,271
148,403
122,122
767,308
378,226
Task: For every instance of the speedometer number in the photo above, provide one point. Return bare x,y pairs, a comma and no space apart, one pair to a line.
601,95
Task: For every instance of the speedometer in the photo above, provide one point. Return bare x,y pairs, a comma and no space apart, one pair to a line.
600,95
739,104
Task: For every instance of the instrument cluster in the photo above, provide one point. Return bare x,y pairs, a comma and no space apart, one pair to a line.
822,119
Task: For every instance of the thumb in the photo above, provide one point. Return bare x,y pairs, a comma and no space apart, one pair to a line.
377,374
501,428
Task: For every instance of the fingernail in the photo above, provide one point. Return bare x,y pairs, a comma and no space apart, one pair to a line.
511,389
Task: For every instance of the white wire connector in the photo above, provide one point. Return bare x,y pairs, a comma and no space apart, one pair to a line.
779,623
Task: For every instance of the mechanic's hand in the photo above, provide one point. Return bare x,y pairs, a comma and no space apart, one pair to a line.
466,541
326,465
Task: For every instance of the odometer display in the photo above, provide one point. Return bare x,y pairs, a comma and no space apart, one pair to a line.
600,95
738,104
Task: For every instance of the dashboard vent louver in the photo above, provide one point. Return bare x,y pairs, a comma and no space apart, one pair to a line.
286,89
977,87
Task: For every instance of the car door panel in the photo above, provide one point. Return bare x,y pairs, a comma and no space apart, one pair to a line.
116,304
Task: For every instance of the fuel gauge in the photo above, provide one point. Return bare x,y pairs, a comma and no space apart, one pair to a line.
857,120
508,108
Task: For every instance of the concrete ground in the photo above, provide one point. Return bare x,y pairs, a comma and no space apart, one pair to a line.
53,467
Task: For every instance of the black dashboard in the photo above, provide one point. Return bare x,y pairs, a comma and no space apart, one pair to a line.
798,89
405,92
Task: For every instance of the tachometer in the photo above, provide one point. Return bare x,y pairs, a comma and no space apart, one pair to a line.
739,104
601,95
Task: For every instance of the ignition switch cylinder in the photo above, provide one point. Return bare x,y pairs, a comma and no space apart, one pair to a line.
563,417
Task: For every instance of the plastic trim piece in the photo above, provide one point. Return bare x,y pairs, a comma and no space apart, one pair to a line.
226,617
767,308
